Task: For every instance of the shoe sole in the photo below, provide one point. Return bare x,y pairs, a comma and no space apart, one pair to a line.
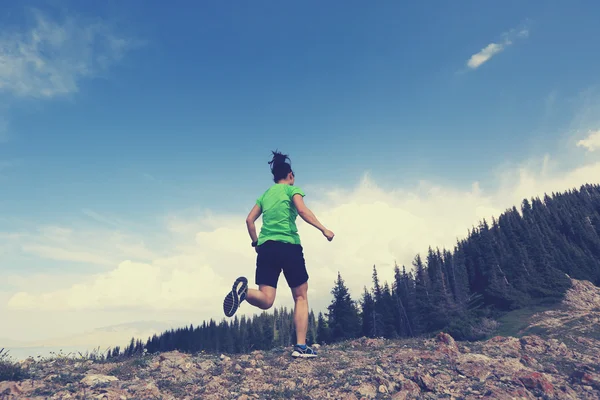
301,355
232,300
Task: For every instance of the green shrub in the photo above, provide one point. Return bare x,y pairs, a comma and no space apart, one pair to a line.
473,329
10,370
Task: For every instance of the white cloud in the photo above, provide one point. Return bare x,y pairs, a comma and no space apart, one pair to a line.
159,286
57,253
89,245
485,54
52,57
492,49
592,142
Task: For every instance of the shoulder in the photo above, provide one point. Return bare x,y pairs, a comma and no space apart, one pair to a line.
293,190
264,193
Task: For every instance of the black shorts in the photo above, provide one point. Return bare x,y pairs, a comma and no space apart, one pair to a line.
273,257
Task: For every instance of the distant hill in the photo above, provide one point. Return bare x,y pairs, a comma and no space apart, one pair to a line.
521,260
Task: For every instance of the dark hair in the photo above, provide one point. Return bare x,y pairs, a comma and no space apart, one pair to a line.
279,167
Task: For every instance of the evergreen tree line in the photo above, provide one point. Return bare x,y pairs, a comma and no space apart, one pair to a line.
240,335
521,258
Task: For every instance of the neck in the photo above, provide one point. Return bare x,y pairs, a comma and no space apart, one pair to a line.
284,182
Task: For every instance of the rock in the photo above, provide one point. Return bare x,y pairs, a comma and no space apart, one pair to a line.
382,389
145,390
502,346
316,346
537,380
408,390
111,394
533,344
425,381
95,379
587,378
551,369
446,344
10,389
367,390
583,295
174,357
206,365
531,362
474,365
401,395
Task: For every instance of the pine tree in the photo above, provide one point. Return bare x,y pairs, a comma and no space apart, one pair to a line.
388,311
404,298
311,336
343,317
369,325
378,313
423,299
323,333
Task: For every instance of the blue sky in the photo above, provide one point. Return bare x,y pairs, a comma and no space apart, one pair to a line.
121,123
210,89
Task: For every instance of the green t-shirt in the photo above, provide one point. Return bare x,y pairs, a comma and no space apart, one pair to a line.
279,214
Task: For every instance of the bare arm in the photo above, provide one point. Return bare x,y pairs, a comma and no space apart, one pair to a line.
307,215
251,219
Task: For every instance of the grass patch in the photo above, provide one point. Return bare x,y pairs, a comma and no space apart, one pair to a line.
513,323
10,370
43,392
124,371
64,379
287,393
534,330
177,389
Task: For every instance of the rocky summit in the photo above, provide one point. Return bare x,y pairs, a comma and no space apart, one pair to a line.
556,357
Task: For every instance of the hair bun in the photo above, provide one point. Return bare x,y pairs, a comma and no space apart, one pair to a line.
278,158
279,167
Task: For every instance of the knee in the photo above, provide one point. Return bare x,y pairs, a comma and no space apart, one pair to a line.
300,297
268,303
300,293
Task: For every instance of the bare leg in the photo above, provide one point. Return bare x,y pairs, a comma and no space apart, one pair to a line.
262,298
301,312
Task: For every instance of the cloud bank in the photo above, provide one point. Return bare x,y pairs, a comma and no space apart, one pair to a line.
190,274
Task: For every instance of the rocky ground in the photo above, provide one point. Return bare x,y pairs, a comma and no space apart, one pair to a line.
561,361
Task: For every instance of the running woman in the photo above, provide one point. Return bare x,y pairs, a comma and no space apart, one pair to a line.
279,249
